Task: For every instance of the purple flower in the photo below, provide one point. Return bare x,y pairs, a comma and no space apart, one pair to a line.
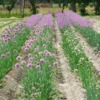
29,55
8,53
17,65
19,58
42,60
3,56
23,62
38,66
56,64
29,65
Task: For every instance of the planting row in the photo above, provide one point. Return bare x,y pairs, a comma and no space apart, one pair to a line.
83,26
80,64
31,52
38,63
11,43
78,61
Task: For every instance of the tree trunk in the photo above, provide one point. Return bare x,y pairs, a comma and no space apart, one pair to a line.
63,7
22,9
34,8
51,3
3,3
59,3
73,5
97,8
9,13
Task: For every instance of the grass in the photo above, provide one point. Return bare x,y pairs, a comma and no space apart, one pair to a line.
80,64
1,26
14,13
92,37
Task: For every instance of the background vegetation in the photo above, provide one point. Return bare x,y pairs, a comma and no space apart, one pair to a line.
21,8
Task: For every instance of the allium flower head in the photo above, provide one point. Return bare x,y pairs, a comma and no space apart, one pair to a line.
3,56
56,64
23,62
42,60
8,53
29,65
17,65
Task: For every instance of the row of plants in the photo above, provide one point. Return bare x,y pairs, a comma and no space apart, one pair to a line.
38,63
92,37
10,45
78,61
84,27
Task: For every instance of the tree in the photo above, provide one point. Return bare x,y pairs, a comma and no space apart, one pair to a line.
73,5
22,2
9,4
83,4
34,8
64,4
97,7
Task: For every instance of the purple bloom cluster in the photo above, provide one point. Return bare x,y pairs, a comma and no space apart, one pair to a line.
70,18
61,19
77,19
28,44
32,20
46,21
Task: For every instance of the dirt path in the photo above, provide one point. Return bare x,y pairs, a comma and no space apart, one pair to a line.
11,88
70,88
94,58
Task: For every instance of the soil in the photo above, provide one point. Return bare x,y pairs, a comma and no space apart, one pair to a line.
70,88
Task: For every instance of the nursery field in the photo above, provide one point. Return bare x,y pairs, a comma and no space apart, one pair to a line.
47,57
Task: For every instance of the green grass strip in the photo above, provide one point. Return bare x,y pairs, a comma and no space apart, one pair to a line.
92,37
80,64
6,24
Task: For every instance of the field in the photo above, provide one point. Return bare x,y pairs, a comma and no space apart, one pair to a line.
46,57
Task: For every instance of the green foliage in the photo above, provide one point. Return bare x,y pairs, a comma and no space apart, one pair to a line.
38,82
34,8
92,37
9,4
7,62
80,64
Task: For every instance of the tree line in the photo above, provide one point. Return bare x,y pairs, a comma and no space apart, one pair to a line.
9,5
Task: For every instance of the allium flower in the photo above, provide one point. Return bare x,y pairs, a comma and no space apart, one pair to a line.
8,53
48,54
29,55
23,62
29,65
42,60
38,67
56,64
23,47
17,65
30,59
26,49
15,51
19,58
6,77
3,56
